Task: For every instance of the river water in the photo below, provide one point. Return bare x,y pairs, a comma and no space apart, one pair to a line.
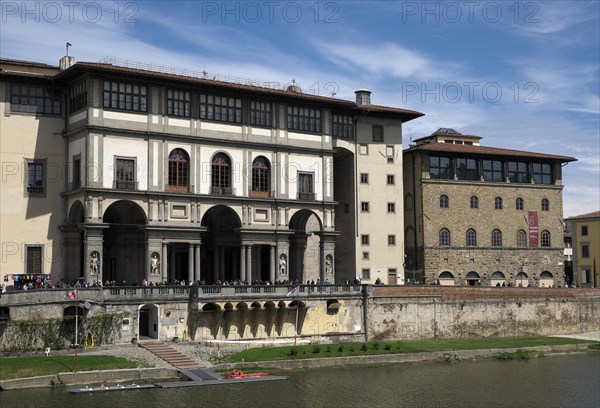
569,381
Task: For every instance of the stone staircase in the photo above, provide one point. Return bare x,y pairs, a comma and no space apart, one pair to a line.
170,355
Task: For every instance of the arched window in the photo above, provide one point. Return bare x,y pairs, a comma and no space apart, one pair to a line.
261,177
546,239
545,205
179,171
221,174
519,204
521,239
498,203
471,237
474,202
444,201
496,238
444,237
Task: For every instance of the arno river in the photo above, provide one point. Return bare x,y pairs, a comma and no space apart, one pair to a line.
568,381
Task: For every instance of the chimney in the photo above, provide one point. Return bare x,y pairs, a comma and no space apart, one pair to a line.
66,62
363,97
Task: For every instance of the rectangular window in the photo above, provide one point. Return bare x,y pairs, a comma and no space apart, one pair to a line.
390,160
364,239
363,149
364,178
391,240
125,177
440,168
304,119
125,96
586,276
584,230
260,113
365,274
36,178
76,173
391,179
585,250
492,170
220,108
34,99
391,207
518,172
466,169
78,97
364,206
179,103
341,126
542,173
305,186
365,256
34,260
377,134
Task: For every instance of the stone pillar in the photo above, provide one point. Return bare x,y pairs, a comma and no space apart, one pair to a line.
249,263
222,264
165,269
197,263
93,253
243,263
172,272
190,262
272,264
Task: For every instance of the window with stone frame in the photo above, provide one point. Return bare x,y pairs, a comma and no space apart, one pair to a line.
306,188
366,274
125,174
364,178
444,201
221,174
498,205
125,96
220,108
179,171
545,239
364,239
545,204
521,239
391,240
391,208
36,178
304,119
33,261
519,204
261,177
474,202
444,237
471,237
496,238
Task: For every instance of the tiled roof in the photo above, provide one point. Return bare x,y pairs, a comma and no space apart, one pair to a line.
594,214
76,69
487,151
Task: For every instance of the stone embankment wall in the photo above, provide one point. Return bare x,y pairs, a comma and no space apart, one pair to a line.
448,312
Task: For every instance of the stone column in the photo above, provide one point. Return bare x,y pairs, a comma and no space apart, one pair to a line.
197,263
215,264
272,264
249,263
92,263
164,266
222,264
243,263
172,271
190,262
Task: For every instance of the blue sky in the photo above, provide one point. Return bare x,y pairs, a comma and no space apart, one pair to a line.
523,75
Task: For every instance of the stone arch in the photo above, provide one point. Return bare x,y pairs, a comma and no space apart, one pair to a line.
305,246
473,279
76,213
546,279
522,279
124,243
498,279
446,278
221,244
148,322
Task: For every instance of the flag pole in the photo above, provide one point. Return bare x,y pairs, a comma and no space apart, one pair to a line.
76,325
297,309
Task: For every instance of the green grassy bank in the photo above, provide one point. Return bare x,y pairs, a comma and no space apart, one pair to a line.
33,366
392,347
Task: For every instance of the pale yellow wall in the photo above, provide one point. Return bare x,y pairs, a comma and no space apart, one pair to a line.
24,220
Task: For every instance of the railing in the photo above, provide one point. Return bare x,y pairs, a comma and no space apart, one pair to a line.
125,185
306,196
222,191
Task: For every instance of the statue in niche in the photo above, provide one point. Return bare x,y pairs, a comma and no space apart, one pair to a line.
328,265
282,265
94,262
154,263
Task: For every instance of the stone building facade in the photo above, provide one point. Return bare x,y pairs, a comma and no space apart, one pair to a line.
585,230
118,173
478,215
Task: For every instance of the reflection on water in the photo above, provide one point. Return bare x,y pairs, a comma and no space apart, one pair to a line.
554,381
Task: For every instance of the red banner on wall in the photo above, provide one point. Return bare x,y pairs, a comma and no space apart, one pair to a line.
533,228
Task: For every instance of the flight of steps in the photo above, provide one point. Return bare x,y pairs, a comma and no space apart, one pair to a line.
170,355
